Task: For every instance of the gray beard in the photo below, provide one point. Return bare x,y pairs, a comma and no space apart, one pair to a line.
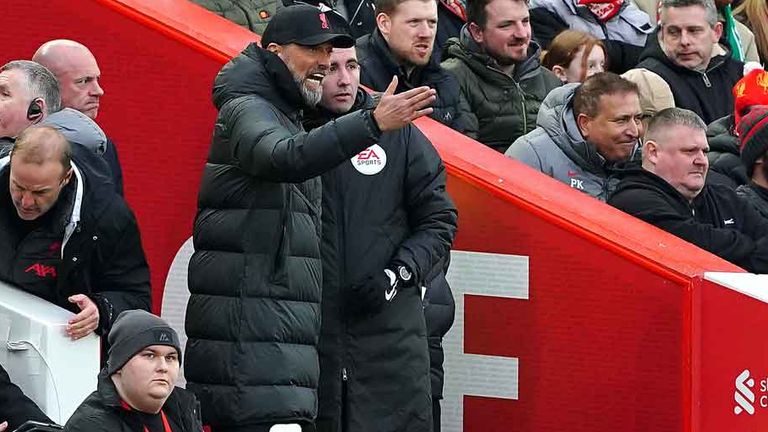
311,97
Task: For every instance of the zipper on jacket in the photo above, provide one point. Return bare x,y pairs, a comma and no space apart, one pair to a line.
522,105
706,80
344,379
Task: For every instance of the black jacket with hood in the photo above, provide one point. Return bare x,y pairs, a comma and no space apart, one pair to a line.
253,317
378,66
374,364
717,220
707,93
103,411
87,243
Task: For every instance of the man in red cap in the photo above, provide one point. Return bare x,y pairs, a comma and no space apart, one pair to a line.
253,317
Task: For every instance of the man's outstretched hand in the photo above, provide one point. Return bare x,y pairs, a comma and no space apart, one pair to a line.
395,111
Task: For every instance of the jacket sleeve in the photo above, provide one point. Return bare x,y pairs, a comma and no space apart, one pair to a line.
266,149
652,207
467,123
122,274
523,151
545,25
432,216
15,407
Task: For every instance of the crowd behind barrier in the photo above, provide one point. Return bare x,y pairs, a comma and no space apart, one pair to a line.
278,236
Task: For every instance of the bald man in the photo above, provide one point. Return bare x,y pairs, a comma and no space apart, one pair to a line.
78,73
66,235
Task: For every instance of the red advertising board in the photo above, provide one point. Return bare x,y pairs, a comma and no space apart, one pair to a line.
571,315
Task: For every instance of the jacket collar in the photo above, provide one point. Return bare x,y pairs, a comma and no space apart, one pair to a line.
258,71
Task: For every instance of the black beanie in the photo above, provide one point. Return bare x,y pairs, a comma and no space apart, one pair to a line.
135,330
753,136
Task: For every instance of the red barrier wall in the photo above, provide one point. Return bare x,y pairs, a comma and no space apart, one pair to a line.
605,339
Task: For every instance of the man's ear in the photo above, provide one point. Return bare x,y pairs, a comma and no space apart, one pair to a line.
585,123
67,178
651,152
275,48
476,32
718,30
559,71
384,24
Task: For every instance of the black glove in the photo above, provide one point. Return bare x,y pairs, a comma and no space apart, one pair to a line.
368,296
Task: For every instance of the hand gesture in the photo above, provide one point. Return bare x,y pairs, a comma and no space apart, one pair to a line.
84,322
395,111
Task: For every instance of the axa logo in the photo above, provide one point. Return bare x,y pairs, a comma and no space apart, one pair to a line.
41,270
744,396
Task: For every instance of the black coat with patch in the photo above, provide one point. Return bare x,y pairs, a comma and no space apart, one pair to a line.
717,220
375,366
253,317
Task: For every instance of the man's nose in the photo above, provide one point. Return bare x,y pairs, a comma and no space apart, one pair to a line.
27,200
344,78
634,127
97,89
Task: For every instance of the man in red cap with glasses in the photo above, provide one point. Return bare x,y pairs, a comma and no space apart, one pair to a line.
253,317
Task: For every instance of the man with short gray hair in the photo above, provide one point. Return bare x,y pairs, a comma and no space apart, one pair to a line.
28,92
686,55
670,191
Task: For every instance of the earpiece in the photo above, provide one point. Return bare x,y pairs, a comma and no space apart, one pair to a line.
35,110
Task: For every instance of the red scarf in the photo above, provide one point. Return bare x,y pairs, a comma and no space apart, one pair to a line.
604,10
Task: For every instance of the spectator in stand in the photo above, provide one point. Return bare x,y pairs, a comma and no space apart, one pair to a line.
742,42
574,56
687,56
401,46
498,69
755,14
753,135
67,236
621,25
78,74
670,192
724,148
385,227
583,132
257,231
15,407
251,14
655,94
137,390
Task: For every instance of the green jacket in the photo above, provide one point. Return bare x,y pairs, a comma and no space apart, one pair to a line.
504,107
251,14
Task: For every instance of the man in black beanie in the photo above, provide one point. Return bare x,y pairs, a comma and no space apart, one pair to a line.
753,137
136,391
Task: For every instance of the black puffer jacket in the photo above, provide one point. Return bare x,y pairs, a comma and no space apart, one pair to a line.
504,107
717,221
724,154
756,195
253,317
375,366
707,93
88,243
15,407
378,66
102,411
439,312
